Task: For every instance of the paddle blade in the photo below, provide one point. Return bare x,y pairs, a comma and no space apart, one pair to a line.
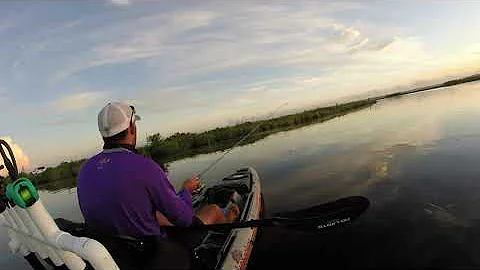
324,216
354,205
314,219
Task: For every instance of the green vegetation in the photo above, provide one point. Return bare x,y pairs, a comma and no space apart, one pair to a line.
472,78
182,145
468,79
62,176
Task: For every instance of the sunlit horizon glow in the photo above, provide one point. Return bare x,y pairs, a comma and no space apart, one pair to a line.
190,66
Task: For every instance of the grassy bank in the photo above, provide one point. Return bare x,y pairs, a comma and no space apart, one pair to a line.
183,145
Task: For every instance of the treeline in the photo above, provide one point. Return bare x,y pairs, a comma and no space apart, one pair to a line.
182,145
472,78
62,176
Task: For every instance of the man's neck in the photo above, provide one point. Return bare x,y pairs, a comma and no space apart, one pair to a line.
119,145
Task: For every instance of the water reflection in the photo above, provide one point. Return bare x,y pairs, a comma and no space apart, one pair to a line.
416,159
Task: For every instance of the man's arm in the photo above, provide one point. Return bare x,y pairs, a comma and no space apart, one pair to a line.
162,220
176,208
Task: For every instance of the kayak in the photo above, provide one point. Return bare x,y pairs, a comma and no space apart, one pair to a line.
62,244
216,248
231,249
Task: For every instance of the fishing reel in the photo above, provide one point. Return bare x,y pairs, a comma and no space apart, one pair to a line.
19,192
199,190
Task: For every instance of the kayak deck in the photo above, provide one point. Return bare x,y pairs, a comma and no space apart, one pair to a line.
231,249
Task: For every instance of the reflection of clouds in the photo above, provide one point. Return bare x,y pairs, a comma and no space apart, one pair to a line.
443,216
351,155
381,169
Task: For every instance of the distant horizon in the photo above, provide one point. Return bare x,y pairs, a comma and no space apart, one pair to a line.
191,66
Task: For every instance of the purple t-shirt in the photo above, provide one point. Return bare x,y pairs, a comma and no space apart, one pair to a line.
119,192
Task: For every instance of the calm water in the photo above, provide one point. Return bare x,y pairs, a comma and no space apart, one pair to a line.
417,159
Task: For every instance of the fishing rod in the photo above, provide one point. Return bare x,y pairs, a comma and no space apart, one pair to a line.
11,165
199,176
10,162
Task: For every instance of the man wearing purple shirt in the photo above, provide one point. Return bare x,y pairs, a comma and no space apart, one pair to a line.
123,193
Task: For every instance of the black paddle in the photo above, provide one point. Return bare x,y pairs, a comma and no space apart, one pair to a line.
316,218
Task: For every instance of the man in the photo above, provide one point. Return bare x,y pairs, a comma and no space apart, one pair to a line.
123,193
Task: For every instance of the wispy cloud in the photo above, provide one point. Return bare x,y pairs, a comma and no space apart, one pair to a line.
5,26
63,121
356,41
3,96
120,2
79,101
202,41
226,37
3,99
148,37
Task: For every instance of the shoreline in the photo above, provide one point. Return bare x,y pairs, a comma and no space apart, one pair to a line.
186,145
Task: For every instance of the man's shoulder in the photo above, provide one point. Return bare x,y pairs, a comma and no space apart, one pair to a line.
142,166
144,161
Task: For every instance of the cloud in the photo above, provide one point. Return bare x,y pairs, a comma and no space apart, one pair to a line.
62,121
227,36
4,26
79,101
356,41
347,34
325,59
23,161
120,2
147,37
3,101
211,40
3,96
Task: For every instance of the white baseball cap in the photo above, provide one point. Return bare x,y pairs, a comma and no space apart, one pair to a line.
116,117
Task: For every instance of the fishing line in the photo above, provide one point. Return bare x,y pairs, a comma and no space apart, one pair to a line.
238,143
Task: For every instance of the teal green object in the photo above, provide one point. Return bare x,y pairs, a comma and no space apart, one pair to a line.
22,192
9,191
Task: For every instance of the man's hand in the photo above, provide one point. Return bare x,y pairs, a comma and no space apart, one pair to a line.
191,184
162,220
233,213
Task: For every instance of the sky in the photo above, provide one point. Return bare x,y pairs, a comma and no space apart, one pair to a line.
189,66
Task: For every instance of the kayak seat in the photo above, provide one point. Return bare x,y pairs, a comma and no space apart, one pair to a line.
223,195
132,253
